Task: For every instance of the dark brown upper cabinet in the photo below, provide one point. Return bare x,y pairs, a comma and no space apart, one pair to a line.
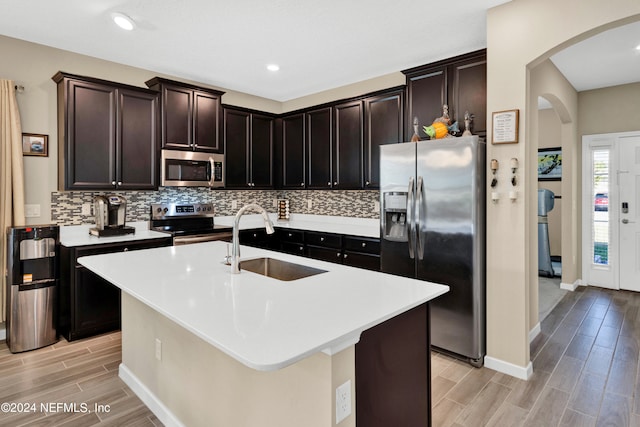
383,124
348,146
340,141
292,152
190,116
459,82
319,148
248,141
108,135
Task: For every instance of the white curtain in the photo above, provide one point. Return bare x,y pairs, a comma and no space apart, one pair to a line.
11,175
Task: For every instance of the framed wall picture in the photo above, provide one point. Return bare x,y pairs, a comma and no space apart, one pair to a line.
34,144
550,164
505,127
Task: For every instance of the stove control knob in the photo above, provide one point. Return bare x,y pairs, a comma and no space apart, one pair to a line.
165,210
159,210
198,210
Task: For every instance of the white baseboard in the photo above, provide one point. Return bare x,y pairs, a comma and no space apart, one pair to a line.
521,372
571,286
533,333
151,400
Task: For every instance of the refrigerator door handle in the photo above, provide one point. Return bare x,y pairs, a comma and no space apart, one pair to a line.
410,217
419,219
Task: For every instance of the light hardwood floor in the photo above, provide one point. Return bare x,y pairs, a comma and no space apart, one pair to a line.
585,374
83,372
585,371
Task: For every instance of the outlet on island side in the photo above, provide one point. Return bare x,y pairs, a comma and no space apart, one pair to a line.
343,401
158,349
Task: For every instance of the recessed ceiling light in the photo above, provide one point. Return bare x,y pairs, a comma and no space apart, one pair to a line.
123,21
273,67
638,47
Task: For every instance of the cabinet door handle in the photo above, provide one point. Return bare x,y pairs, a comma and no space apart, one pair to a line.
302,184
335,183
367,183
125,250
364,245
345,256
119,183
301,248
329,183
322,239
290,234
113,183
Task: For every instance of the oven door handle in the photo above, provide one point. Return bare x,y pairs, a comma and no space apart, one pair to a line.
203,238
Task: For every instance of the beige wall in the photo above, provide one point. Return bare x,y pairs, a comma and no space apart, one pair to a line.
612,109
202,386
520,35
555,127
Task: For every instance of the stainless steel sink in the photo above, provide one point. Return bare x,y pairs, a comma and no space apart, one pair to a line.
278,269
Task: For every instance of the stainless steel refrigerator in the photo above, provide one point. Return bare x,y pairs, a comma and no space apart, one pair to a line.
432,225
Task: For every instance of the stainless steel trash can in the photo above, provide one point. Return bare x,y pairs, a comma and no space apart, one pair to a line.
32,282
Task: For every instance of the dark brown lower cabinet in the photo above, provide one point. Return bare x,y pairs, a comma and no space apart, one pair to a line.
88,304
393,372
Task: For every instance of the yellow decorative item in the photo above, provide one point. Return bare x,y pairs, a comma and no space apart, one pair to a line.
437,130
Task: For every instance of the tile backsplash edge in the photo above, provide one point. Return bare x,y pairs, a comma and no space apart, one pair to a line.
66,206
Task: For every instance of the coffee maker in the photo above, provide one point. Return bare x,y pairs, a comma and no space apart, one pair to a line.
110,211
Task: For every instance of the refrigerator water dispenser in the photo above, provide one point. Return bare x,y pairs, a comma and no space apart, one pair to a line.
395,217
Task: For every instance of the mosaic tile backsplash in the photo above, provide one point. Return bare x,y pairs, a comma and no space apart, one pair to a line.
66,206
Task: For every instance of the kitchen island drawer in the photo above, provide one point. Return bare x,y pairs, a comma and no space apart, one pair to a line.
326,240
368,245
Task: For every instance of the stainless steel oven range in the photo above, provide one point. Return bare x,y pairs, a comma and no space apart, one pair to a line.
188,222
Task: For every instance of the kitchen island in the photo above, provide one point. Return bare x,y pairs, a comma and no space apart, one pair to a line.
202,346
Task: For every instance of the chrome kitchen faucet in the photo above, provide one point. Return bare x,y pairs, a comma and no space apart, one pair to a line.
235,242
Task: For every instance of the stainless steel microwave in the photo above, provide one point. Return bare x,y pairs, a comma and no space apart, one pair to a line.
191,169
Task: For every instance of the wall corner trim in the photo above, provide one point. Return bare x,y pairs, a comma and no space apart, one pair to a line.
521,372
571,286
148,398
534,332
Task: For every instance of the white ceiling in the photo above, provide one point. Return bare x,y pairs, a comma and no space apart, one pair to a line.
319,45
606,59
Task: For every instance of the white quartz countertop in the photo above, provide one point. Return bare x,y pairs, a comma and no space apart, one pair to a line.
363,227
78,235
264,323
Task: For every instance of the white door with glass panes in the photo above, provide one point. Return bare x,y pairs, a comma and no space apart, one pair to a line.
629,208
610,220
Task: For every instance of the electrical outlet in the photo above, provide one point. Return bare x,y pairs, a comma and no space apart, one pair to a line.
86,209
31,211
275,203
376,206
158,349
234,204
343,401
309,204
